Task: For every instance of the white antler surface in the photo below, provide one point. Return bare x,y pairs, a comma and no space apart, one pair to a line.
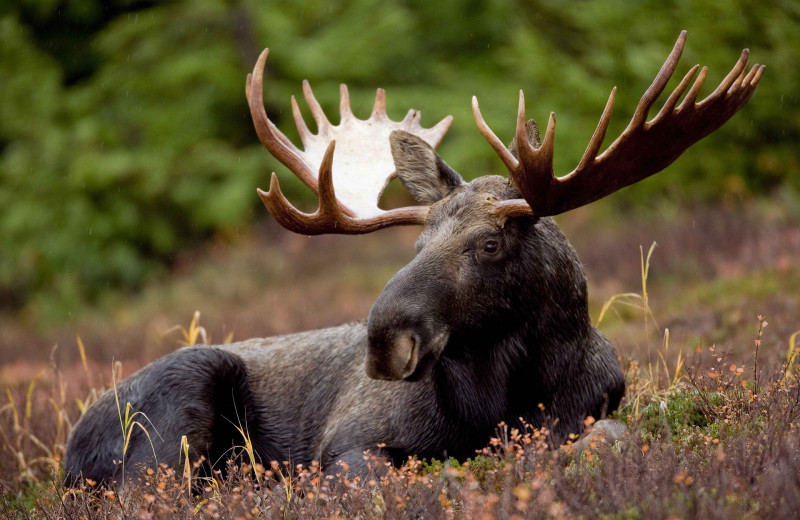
362,164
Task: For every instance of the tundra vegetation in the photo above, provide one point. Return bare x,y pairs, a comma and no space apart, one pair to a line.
710,438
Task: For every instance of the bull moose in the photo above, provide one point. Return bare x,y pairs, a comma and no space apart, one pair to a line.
488,323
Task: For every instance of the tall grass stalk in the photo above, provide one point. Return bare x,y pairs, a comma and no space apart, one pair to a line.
187,466
645,271
792,354
640,302
762,323
128,422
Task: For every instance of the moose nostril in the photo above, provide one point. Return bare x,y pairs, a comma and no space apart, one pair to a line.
408,354
395,357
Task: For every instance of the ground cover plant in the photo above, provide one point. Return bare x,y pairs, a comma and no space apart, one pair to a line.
713,424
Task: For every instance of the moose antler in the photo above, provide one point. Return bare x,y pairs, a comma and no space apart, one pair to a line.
348,200
643,149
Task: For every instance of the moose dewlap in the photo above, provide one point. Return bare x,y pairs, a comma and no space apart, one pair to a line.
488,323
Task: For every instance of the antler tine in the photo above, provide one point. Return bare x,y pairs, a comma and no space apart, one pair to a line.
435,134
691,96
730,79
657,87
411,117
757,77
643,149
379,110
673,98
752,74
534,172
272,138
543,155
599,133
500,149
345,111
280,208
300,123
328,206
524,147
316,109
329,218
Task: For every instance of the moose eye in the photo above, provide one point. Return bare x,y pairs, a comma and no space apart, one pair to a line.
489,250
491,247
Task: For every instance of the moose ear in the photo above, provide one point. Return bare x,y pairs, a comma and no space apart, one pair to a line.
532,130
423,173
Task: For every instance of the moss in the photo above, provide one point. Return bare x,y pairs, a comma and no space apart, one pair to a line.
674,414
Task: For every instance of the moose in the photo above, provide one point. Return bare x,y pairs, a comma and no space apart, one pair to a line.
488,323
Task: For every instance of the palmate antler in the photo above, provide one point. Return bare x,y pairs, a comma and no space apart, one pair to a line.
349,183
643,149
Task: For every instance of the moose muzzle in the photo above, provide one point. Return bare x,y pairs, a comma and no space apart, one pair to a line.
408,328
404,339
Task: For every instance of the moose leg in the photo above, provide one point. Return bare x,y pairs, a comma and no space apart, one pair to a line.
197,392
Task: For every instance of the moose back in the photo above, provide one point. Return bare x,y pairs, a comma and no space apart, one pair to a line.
488,323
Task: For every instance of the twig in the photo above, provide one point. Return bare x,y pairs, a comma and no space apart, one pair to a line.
761,324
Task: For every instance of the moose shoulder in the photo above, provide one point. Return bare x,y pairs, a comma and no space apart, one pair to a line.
488,323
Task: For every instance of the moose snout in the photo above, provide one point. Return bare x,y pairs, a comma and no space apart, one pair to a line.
405,331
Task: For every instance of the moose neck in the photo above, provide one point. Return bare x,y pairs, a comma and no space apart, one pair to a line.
483,379
472,376
533,344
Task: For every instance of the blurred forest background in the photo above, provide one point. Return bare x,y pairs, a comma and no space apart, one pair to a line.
126,144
